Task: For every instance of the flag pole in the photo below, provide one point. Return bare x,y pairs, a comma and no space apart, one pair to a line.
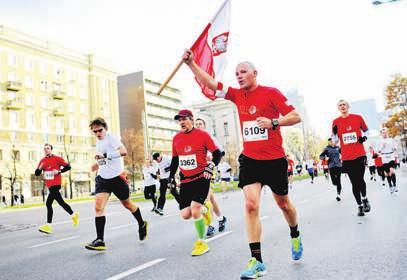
178,66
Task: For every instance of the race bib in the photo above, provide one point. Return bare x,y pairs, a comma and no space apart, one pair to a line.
49,175
188,162
101,161
349,138
252,132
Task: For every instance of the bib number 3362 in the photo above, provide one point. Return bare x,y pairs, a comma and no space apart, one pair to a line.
252,132
188,162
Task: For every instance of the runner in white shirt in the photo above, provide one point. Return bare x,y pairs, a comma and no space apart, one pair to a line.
211,203
371,164
225,175
150,179
386,147
164,163
110,178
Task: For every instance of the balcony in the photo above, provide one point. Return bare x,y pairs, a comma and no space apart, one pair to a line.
58,95
14,104
59,113
14,85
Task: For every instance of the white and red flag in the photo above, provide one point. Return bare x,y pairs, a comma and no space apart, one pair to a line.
211,47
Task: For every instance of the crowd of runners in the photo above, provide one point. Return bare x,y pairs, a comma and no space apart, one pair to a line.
197,156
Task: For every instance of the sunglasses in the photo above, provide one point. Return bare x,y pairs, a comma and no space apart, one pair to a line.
98,130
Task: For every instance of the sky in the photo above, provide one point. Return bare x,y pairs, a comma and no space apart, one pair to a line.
325,49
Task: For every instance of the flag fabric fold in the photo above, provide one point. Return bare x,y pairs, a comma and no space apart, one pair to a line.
210,48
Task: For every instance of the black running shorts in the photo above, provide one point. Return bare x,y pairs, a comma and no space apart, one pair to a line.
116,185
149,191
387,166
193,191
272,173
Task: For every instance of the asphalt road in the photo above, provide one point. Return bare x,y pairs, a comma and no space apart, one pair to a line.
337,243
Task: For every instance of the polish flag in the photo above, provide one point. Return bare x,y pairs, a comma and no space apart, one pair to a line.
211,46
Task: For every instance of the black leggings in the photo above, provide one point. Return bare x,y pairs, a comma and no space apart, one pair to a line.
356,171
149,193
163,192
54,194
335,173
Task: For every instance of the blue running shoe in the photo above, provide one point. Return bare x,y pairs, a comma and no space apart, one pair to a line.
254,270
210,232
296,248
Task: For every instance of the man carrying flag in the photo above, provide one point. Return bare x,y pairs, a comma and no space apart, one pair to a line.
262,161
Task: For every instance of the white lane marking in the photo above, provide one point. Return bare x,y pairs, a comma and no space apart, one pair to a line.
219,236
303,201
263,218
123,226
136,269
55,241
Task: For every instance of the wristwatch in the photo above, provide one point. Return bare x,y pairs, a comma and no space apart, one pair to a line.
274,123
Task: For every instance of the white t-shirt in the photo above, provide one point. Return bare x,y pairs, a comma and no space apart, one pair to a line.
370,159
109,168
148,179
223,168
163,165
386,148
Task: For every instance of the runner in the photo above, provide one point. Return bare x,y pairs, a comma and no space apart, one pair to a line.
298,167
262,161
110,178
349,128
211,203
51,166
189,150
371,163
325,168
150,177
309,165
379,166
225,176
164,163
290,171
332,154
386,147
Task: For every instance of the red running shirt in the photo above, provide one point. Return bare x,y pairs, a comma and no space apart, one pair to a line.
290,165
260,144
191,149
324,164
349,131
378,162
48,164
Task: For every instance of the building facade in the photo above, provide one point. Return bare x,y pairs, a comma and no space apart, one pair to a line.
48,94
222,122
145,113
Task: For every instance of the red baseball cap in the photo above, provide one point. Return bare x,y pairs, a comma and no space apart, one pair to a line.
183,113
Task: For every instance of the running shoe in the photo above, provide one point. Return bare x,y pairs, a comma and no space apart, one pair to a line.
207,212
45,229
142,231
391,190
254,270
154,209
200,248
97,245
338,197
222,224
210,232
360,211
396,189
159,211
366,205
75,219
296,248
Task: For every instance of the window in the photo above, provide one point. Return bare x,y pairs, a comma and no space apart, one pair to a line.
45,137
29,137
12,59
226,128
28,82
60,139
30,120
12,95
71,139
13,120
13,136
72,124
83,109
11,76
29,100
57,86
70,90
45,121
28,64
43,68
83,94
44,102
32,155
84,126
